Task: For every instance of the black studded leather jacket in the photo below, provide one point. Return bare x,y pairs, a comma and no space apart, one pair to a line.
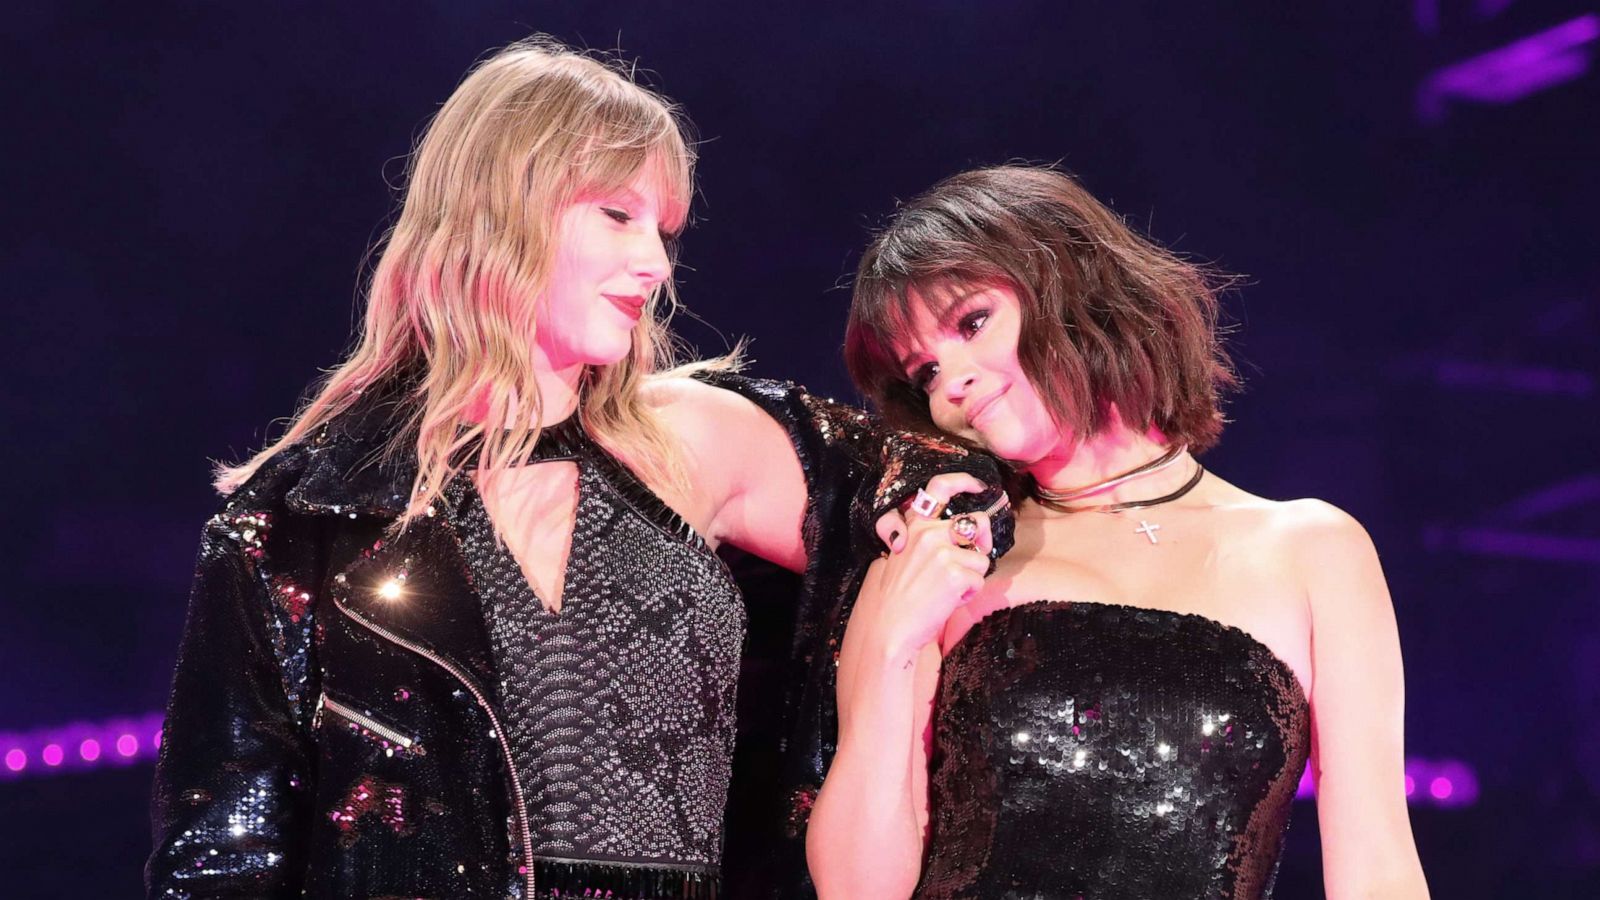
290,685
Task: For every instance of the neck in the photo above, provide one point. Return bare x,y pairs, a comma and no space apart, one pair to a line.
1074,465
558,388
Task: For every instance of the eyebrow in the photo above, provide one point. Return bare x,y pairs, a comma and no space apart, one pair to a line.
946,317
625,194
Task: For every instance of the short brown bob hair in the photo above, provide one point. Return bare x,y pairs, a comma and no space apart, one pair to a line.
1108,317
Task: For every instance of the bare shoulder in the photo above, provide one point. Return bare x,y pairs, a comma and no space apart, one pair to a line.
1294,525
1323,533
1310,519
1314,542
677,395
1332,556
707,421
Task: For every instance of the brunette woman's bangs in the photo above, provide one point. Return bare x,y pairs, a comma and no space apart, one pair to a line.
884,307
1109,317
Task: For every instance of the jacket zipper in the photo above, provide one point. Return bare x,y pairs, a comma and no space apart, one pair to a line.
521,808
367,722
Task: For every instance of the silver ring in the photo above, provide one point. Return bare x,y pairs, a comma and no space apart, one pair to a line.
964,531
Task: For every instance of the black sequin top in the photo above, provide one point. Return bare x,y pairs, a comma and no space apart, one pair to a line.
619,708
1096,751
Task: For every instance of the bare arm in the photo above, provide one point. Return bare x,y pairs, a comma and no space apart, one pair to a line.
865,837
764,503
747,487
770,460
1357,706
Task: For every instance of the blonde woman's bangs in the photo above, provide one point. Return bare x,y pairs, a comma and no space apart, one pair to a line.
637,139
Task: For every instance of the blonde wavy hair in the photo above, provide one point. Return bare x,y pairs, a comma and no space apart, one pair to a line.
529,130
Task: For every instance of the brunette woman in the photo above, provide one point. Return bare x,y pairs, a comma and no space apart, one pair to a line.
1125,707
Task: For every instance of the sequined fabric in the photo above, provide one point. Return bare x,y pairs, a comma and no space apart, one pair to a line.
620,708
306,599
868,470
1097,751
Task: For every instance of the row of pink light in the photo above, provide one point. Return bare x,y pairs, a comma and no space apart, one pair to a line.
1428,782
80,745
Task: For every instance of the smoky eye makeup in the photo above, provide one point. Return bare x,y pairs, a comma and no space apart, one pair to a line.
965,321
972,321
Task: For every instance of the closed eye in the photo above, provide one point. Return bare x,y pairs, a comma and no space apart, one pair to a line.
618,215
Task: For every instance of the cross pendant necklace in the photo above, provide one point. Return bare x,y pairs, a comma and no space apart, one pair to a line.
1146,527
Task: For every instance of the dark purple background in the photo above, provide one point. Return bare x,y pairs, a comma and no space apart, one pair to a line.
189,192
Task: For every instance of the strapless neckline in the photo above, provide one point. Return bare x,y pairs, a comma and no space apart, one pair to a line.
1111,751
992,620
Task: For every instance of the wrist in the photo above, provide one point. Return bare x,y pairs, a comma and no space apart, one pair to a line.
879,652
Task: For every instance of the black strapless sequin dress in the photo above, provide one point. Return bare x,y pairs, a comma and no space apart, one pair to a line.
1095,751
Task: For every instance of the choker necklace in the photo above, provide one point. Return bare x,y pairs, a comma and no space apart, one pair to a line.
1049,499
1154,465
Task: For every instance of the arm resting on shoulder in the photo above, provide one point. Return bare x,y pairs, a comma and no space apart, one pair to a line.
793,463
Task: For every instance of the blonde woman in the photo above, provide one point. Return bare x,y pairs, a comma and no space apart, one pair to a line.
461,632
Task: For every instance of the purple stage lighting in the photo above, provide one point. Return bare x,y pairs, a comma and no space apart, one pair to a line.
1447,783
1534,63
79,745
1520,379
1513,544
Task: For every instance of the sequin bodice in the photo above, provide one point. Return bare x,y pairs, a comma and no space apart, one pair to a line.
619,708
1101,751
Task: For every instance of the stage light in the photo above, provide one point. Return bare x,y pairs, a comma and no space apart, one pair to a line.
75,746
1448,783
1507,74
